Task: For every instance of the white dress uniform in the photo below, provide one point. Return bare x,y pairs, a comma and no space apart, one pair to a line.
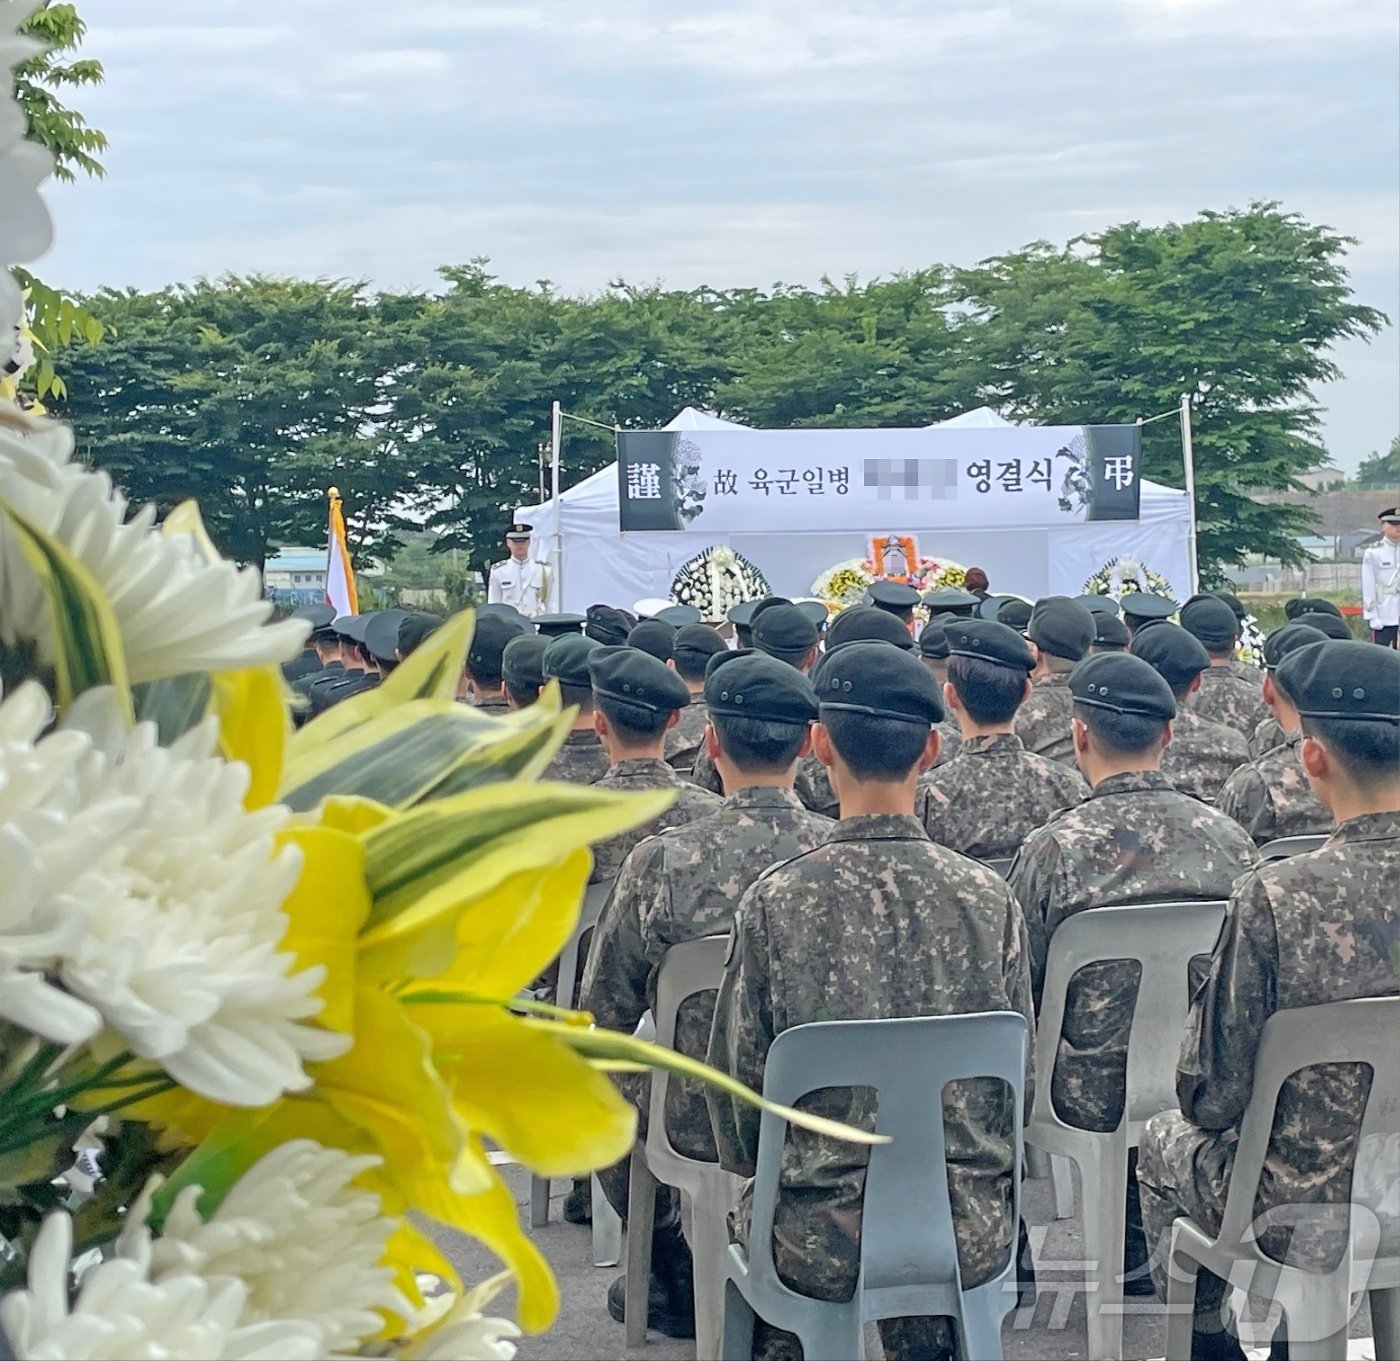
1380,585
522,584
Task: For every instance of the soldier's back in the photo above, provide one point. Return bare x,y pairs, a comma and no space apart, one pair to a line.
1267,734
683,742
1270,797
1202,755
581,759
1043,721
690,803
1224,698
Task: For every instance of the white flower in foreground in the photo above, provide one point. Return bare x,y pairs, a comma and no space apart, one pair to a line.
305,1242
120,1314
465,1335
182,953
177,609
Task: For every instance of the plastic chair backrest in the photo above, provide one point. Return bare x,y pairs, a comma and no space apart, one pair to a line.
595,898
1361,1030
1284,846
1000,864
1164,938
907,1237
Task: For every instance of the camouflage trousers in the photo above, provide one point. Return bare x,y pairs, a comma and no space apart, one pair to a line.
615,1180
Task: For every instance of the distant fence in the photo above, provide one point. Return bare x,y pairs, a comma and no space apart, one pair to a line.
1312,579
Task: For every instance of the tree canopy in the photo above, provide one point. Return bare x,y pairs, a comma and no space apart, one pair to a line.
1380,472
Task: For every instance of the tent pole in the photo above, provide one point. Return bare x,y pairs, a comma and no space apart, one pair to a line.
555,432
1189,459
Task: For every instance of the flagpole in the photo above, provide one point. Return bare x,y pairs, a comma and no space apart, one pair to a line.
1189,459
340,576
556,424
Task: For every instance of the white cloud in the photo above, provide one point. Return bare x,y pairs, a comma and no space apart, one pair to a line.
404,63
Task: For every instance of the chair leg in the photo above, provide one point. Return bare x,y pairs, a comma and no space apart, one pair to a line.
1181,1303
1385,1323
983,1308
641,1219
1104,1225
736,1332
607,1230
539,1202
709,1242
1321,1349
1062,1184
1037,1163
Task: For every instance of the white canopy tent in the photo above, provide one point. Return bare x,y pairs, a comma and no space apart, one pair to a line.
602,564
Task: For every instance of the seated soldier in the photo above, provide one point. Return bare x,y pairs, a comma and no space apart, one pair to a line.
1223,697
1270,797
1110,634
933,651
1061,631
636,698
1202,755
691,650
522,669
993,793
581,760
1135,839
877,922
485,683
1300,932
685,884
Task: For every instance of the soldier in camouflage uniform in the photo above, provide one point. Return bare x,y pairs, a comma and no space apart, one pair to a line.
1062,631
1223,696
522,669
1136,839
581,760
936,934
1202,755
485,670
1300,932
692,648
993,793
1267,735
685,884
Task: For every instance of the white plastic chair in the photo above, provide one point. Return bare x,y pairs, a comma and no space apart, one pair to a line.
908,1249
693,967
1001,864
1282,847
1316,1305
607,1225
1163,938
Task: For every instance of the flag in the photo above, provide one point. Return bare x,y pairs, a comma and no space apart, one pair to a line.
340,578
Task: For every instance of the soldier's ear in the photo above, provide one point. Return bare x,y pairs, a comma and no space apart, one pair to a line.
950,696
1026,693
932,744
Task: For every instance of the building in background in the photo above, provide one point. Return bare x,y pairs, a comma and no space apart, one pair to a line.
295,576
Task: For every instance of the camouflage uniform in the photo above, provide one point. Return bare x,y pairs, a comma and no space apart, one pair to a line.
1267,735
581,760
495,705
992,795
680,886
1202,755
1225,698
683,742
1300,932
1042,722
1135,839
936,934
647,773
1271,797
1246,671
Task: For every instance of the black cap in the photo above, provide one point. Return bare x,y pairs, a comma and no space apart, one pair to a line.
953,600
1099,604
1122,683
1145,605
351,626
627,675
522,663
990,642
879,680
489,639
1348,680
566,659
1110,632
1061,627
741,615
557,625
694,645
414,629
678,616
1389,516
1211,620
988,606
1234,602
1308,604
1289,639
863,624
519,531
816,611
933,640
767,603
1173,653
784,632
509,613
607,625
318,614
1015,614
753,685
382,634
894,596
653,637
1333,625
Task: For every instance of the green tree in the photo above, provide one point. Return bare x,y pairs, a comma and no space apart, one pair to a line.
1236,309
1380,472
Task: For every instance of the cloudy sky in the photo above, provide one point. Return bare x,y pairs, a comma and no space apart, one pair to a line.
730,141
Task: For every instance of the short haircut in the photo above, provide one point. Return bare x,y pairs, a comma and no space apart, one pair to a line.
523,696
758,746
485,671
1219,649
990,693
578,697
1057,666
684,668
634,726
873,748
1367,750
1127,734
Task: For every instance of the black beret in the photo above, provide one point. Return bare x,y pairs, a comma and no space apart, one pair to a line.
741,615
653,637
627,675
1234,602
754,685
784,632
382,634
988,606
678,616
695,644
1099,604
1333,625
522,663
501,610
1015,614
767,603
1350,680
414,628
864,624
1210,620
607,625
1061,627
1308,604
318,614
1289,639
990,642
1111,631
489,639
894,596
816,611
952,599
879,680
933,640
1122,683
557,625
1145,605
1173,653
566,659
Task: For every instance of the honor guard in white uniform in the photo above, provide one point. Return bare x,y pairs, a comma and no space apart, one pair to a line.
519,580
1380,581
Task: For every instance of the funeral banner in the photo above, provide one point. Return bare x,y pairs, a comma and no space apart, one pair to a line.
817,481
